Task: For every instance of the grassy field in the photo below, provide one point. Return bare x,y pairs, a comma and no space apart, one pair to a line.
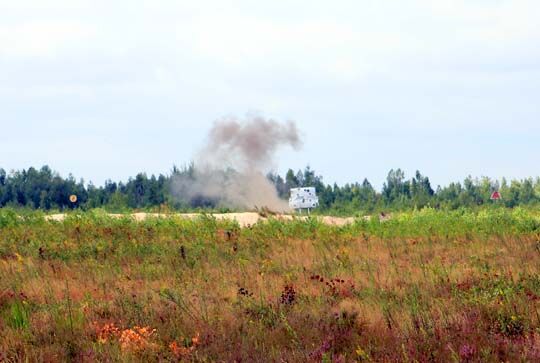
423,286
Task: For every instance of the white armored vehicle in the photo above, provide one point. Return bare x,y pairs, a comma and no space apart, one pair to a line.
303,198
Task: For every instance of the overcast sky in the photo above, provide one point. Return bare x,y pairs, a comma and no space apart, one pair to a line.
105,89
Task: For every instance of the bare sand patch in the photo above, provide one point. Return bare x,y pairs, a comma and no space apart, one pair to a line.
244,219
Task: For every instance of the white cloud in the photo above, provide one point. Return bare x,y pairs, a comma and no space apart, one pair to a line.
347,39
42,39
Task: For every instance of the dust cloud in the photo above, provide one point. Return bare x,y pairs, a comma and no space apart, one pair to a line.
229,170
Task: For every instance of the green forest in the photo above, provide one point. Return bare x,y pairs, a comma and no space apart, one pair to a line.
45,189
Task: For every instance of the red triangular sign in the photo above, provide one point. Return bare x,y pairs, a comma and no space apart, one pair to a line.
495,196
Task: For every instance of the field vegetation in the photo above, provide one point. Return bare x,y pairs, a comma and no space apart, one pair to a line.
454,286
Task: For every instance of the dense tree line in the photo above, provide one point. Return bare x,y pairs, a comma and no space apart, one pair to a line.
45,189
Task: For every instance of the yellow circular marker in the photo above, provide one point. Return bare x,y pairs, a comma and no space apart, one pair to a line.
73,198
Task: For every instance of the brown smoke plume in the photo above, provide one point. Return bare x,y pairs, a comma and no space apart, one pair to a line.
230,169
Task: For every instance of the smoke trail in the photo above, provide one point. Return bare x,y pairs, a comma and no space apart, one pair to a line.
229,170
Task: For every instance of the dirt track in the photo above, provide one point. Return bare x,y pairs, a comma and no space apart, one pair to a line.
244,219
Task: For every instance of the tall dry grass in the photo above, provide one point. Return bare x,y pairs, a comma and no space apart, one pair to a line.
426,286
